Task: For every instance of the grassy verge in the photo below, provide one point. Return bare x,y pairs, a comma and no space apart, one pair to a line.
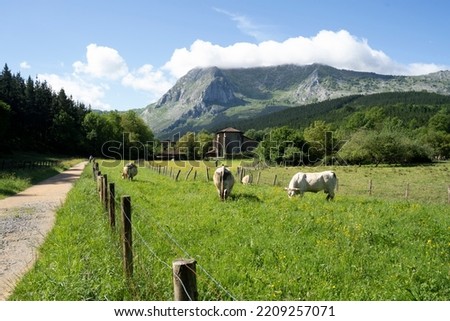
77,261
257,246
16,180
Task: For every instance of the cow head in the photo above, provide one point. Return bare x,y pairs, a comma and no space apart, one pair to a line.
291,191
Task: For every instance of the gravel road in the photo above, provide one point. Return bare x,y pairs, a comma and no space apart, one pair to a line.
25,220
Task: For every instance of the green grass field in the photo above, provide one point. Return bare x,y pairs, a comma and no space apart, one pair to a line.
258,245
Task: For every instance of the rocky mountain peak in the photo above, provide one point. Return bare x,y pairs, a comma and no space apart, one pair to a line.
207,97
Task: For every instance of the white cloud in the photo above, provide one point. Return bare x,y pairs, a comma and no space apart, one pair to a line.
148,79
104,68
25,65
91,82
423,69
80,90
338,49
102,62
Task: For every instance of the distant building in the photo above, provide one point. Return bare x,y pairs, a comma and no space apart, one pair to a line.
231,141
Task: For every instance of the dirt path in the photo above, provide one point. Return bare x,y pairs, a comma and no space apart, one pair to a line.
25,220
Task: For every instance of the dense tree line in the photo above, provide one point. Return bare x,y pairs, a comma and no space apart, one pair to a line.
118,135
363,137
34,117
195,145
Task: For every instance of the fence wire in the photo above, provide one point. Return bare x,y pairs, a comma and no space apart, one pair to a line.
141,243
144,248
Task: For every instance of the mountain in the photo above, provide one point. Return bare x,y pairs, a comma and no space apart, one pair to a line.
212,98
414,109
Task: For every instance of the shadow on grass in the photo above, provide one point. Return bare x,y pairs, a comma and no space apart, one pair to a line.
245,196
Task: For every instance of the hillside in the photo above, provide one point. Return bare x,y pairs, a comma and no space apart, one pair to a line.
212,98
406,106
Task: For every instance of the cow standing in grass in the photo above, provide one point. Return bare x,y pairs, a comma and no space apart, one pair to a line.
313,182
224,182
129,171
247,179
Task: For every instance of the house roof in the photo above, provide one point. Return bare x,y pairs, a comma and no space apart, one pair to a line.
229,130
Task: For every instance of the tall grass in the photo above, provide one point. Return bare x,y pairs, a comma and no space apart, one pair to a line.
259,245
13,181
79,260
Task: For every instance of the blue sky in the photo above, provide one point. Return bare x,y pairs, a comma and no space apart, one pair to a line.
115,54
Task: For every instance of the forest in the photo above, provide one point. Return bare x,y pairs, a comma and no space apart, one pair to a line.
35,118
394,128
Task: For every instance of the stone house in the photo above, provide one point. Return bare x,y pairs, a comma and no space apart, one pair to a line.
230,141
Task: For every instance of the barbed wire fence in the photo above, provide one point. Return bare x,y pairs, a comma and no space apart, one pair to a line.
150,259
404,190
140,257
12,164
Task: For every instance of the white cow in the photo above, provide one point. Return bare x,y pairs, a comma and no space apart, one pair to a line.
224,182
247,179
129,171
313,182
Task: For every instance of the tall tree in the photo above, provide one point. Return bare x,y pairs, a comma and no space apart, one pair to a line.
280,145
138,139
5,122
98,132
319,141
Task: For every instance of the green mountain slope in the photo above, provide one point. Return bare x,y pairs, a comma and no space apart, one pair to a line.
417,107
211,98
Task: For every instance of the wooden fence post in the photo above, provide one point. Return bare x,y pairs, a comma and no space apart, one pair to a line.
184,280
370,187
112,205
242,174
102,190
105,191
189,173
178,174
407,191
99,185
207,174
95,170
259,176
275,180
448,192
127,236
